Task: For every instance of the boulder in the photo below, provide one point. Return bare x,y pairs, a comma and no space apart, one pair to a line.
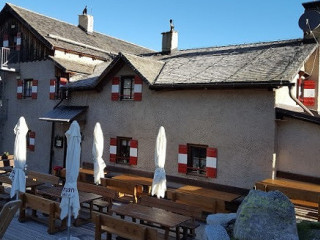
221,218
216,232
266,216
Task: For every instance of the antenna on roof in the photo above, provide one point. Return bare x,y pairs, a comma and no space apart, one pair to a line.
171,25
85,11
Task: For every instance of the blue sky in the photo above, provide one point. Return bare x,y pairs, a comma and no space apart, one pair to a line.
200,23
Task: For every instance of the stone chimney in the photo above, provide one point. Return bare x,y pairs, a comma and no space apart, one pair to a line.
309,21
170,40
86,22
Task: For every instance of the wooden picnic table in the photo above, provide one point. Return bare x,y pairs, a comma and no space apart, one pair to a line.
164,218
219,195
29,182
300,193
84,197
144,181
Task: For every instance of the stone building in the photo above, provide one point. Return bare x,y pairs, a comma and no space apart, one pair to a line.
233,114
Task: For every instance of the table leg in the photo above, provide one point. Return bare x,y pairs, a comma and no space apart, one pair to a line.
166,233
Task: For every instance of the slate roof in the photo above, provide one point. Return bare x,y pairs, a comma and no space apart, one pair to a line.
264,65
247,63
73,66
101,45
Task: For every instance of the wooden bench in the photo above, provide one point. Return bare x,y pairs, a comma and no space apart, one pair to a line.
46,206
206,204
175,207
107,194
6,165
122,228
298,197
127,192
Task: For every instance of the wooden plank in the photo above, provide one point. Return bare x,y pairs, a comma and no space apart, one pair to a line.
42,177
123,187
121,228
207,204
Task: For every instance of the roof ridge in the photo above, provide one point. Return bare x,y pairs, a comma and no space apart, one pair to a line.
10,4
244,44
25,9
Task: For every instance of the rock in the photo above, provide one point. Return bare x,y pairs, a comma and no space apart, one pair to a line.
216,232
221,218
266,216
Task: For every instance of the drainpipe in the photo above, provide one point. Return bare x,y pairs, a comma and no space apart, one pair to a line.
298,102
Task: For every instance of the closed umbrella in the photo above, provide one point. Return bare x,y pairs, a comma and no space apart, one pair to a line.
97,152
17,175
159,183
70,204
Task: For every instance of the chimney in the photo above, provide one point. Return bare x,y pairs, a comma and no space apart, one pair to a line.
309,21
86,22
170,40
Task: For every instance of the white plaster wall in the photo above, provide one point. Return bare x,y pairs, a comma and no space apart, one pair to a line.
239,123
297,143
31,110
77,58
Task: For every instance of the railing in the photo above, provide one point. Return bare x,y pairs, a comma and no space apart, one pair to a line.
5,52
7,57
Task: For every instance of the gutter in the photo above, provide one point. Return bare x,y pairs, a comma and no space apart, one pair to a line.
298,102
221,85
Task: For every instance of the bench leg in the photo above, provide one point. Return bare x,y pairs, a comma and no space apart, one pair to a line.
109,236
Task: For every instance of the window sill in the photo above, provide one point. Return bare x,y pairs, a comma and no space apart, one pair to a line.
197,174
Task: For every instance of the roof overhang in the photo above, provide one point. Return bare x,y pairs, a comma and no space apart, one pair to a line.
296,113
64,114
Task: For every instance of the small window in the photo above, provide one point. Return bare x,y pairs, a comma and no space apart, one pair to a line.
197,159
127,88
123,150
27,88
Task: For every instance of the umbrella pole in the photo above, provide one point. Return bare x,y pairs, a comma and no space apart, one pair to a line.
69,218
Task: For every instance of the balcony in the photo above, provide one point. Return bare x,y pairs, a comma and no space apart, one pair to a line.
8,56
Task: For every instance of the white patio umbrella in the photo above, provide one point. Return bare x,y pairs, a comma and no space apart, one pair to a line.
97,152
159,183
70,204
17,175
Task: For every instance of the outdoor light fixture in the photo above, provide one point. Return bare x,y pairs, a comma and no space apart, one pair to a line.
58,142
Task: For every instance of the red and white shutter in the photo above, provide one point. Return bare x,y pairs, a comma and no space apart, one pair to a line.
52,91
34,94
115,89
5,40
113,149
137,91
18,45
309,92
19,89
182,159
133,160
211,162
32,136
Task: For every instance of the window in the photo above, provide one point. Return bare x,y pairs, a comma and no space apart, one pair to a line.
123,153
127,88
124,150
197,159
27,88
